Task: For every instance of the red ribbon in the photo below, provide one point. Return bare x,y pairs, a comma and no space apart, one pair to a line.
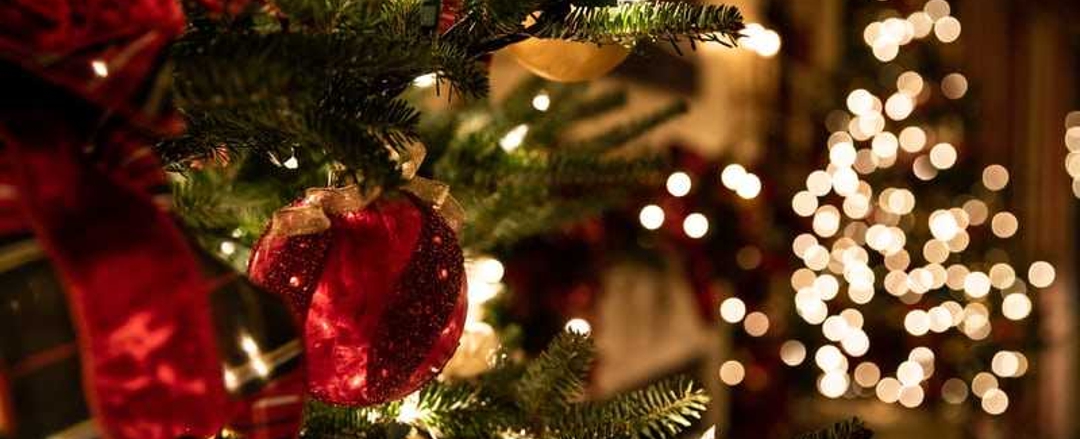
79,177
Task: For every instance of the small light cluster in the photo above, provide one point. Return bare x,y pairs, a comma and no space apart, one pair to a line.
764,42
745,184
1072,142
882,223
887,36
479,342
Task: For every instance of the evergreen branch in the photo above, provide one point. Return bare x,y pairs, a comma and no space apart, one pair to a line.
849,429
662,410
555,380
659,21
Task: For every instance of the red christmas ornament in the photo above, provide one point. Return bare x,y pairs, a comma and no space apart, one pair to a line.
380,290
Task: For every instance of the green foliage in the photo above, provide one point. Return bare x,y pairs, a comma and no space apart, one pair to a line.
654,21
543,399
850,429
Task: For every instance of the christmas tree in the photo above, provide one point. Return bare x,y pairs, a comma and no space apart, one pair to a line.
274,99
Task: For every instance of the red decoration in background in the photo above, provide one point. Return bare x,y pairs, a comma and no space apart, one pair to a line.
380,289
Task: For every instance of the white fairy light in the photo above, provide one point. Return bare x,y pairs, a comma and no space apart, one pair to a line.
651,217
679,184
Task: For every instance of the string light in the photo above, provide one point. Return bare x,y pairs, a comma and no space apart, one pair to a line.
792,352
696,225
100,68
764,42
732,310
541,102
578,326
732,373
425,81
679,184
651,217
514,138
756,324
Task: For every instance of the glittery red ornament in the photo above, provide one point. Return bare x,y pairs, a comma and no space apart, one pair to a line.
380,290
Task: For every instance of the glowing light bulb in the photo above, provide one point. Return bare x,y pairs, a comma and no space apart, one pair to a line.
696,225
732,373
425,81
100,68
732,310
541,102
679,184
514,138
792,352
578,326
1041,274
651,217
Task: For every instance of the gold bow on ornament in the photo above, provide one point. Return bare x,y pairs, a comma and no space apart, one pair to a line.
310,215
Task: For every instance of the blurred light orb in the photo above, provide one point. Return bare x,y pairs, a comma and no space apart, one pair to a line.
921,24
954,391
833,384
1002,276
732,176
696,225
947,29
1005,364
1016,306
856,343
977,284
982,383
732,372
888,390
917,322
651,217
1004,224
514,138
792,352
943,225
489,270
995,177
943,156
804,203
899,106
679,184
954,86
842,155
910,83
911,396
867,374
910,373
819,183
912,139
995,402
923,168
845,182
750,187
732,310
861,102
828,358
756,324
1041,274
578,326
937,9
541,102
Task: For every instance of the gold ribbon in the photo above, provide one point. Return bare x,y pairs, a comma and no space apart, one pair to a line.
310,216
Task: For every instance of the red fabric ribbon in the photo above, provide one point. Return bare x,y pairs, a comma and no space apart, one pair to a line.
76,171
